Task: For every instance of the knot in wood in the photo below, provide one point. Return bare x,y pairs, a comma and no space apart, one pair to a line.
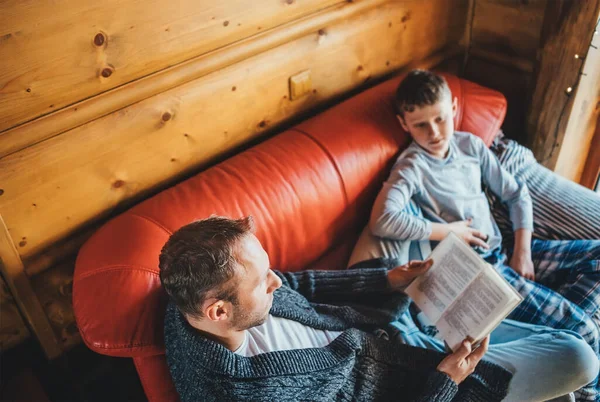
99,39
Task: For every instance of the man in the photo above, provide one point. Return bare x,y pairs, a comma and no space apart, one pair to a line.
237,330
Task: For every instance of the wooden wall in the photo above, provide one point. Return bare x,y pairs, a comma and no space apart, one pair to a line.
105,103
526,49
503,39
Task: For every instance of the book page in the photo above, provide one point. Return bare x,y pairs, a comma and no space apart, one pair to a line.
483,305
454,267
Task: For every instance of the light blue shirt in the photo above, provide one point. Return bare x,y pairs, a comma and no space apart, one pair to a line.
448,190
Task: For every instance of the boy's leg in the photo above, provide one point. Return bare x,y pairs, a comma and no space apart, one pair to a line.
572,268
542,306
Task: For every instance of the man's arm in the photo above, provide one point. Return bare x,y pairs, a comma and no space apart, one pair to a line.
337,284
353,283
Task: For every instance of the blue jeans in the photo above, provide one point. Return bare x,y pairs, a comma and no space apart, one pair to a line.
546,363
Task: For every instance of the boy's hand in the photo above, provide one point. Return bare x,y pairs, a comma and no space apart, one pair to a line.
522,264
472,236
401,276
460,364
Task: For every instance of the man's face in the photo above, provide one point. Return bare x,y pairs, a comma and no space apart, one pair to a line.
432,126
257,282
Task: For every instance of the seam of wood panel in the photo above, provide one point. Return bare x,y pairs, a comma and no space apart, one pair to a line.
14,275
517,63
75,115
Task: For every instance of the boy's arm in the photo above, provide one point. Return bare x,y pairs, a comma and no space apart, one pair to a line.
516,196
507,188
388,216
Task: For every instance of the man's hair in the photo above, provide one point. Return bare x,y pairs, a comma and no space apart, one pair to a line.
420,88
201,257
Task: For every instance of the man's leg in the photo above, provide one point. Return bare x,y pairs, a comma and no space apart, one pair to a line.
542,306
572,268
545,363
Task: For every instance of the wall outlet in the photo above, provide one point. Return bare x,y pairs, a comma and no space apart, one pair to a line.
300,84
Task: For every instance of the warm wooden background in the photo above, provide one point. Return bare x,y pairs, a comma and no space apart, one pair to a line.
105,103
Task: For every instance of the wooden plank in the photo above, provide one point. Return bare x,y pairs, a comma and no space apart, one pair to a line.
508,27
468,35
55,187
12,328
54,289
58,252
567,30
14,275
579,133
591,171
57,53
84,111
521,64
513,83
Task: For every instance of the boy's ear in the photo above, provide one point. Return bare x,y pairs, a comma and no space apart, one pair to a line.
454,106
402,123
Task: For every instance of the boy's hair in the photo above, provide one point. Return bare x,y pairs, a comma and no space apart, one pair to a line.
202,257
420,88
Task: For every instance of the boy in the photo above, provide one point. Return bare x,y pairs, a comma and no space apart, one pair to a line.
442,170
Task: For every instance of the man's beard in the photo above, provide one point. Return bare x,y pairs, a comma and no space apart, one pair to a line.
243,320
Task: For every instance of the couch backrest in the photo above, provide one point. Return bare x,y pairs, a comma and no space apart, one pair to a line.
309,189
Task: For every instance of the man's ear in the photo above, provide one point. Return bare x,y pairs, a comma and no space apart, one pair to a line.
454,106
219,310
402,123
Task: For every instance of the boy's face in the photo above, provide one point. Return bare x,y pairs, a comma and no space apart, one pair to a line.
432,126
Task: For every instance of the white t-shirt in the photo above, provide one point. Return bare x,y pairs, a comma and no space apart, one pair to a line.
277,334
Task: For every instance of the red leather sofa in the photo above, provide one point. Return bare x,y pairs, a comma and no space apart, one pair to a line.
310,190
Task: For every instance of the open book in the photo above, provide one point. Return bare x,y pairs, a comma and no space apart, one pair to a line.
462,294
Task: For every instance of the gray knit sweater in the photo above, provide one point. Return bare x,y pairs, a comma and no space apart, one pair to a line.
355,366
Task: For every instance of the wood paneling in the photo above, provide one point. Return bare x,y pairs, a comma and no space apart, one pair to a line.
54,289
504,40
13,273
568,29
57,53
508,27
89,109
56,186
591,171
12,328
514,84
581,126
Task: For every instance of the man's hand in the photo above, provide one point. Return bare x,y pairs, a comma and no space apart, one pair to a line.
401,276
522,264
460,364
472,236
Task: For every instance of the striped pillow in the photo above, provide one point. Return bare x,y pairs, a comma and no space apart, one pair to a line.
562,210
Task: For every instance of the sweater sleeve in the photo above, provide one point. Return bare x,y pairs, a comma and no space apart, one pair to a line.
337,284
388,216
513,193
439,388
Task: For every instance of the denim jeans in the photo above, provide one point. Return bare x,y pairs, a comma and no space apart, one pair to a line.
546,363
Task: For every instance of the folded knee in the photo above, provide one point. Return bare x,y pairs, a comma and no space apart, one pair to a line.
581,363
